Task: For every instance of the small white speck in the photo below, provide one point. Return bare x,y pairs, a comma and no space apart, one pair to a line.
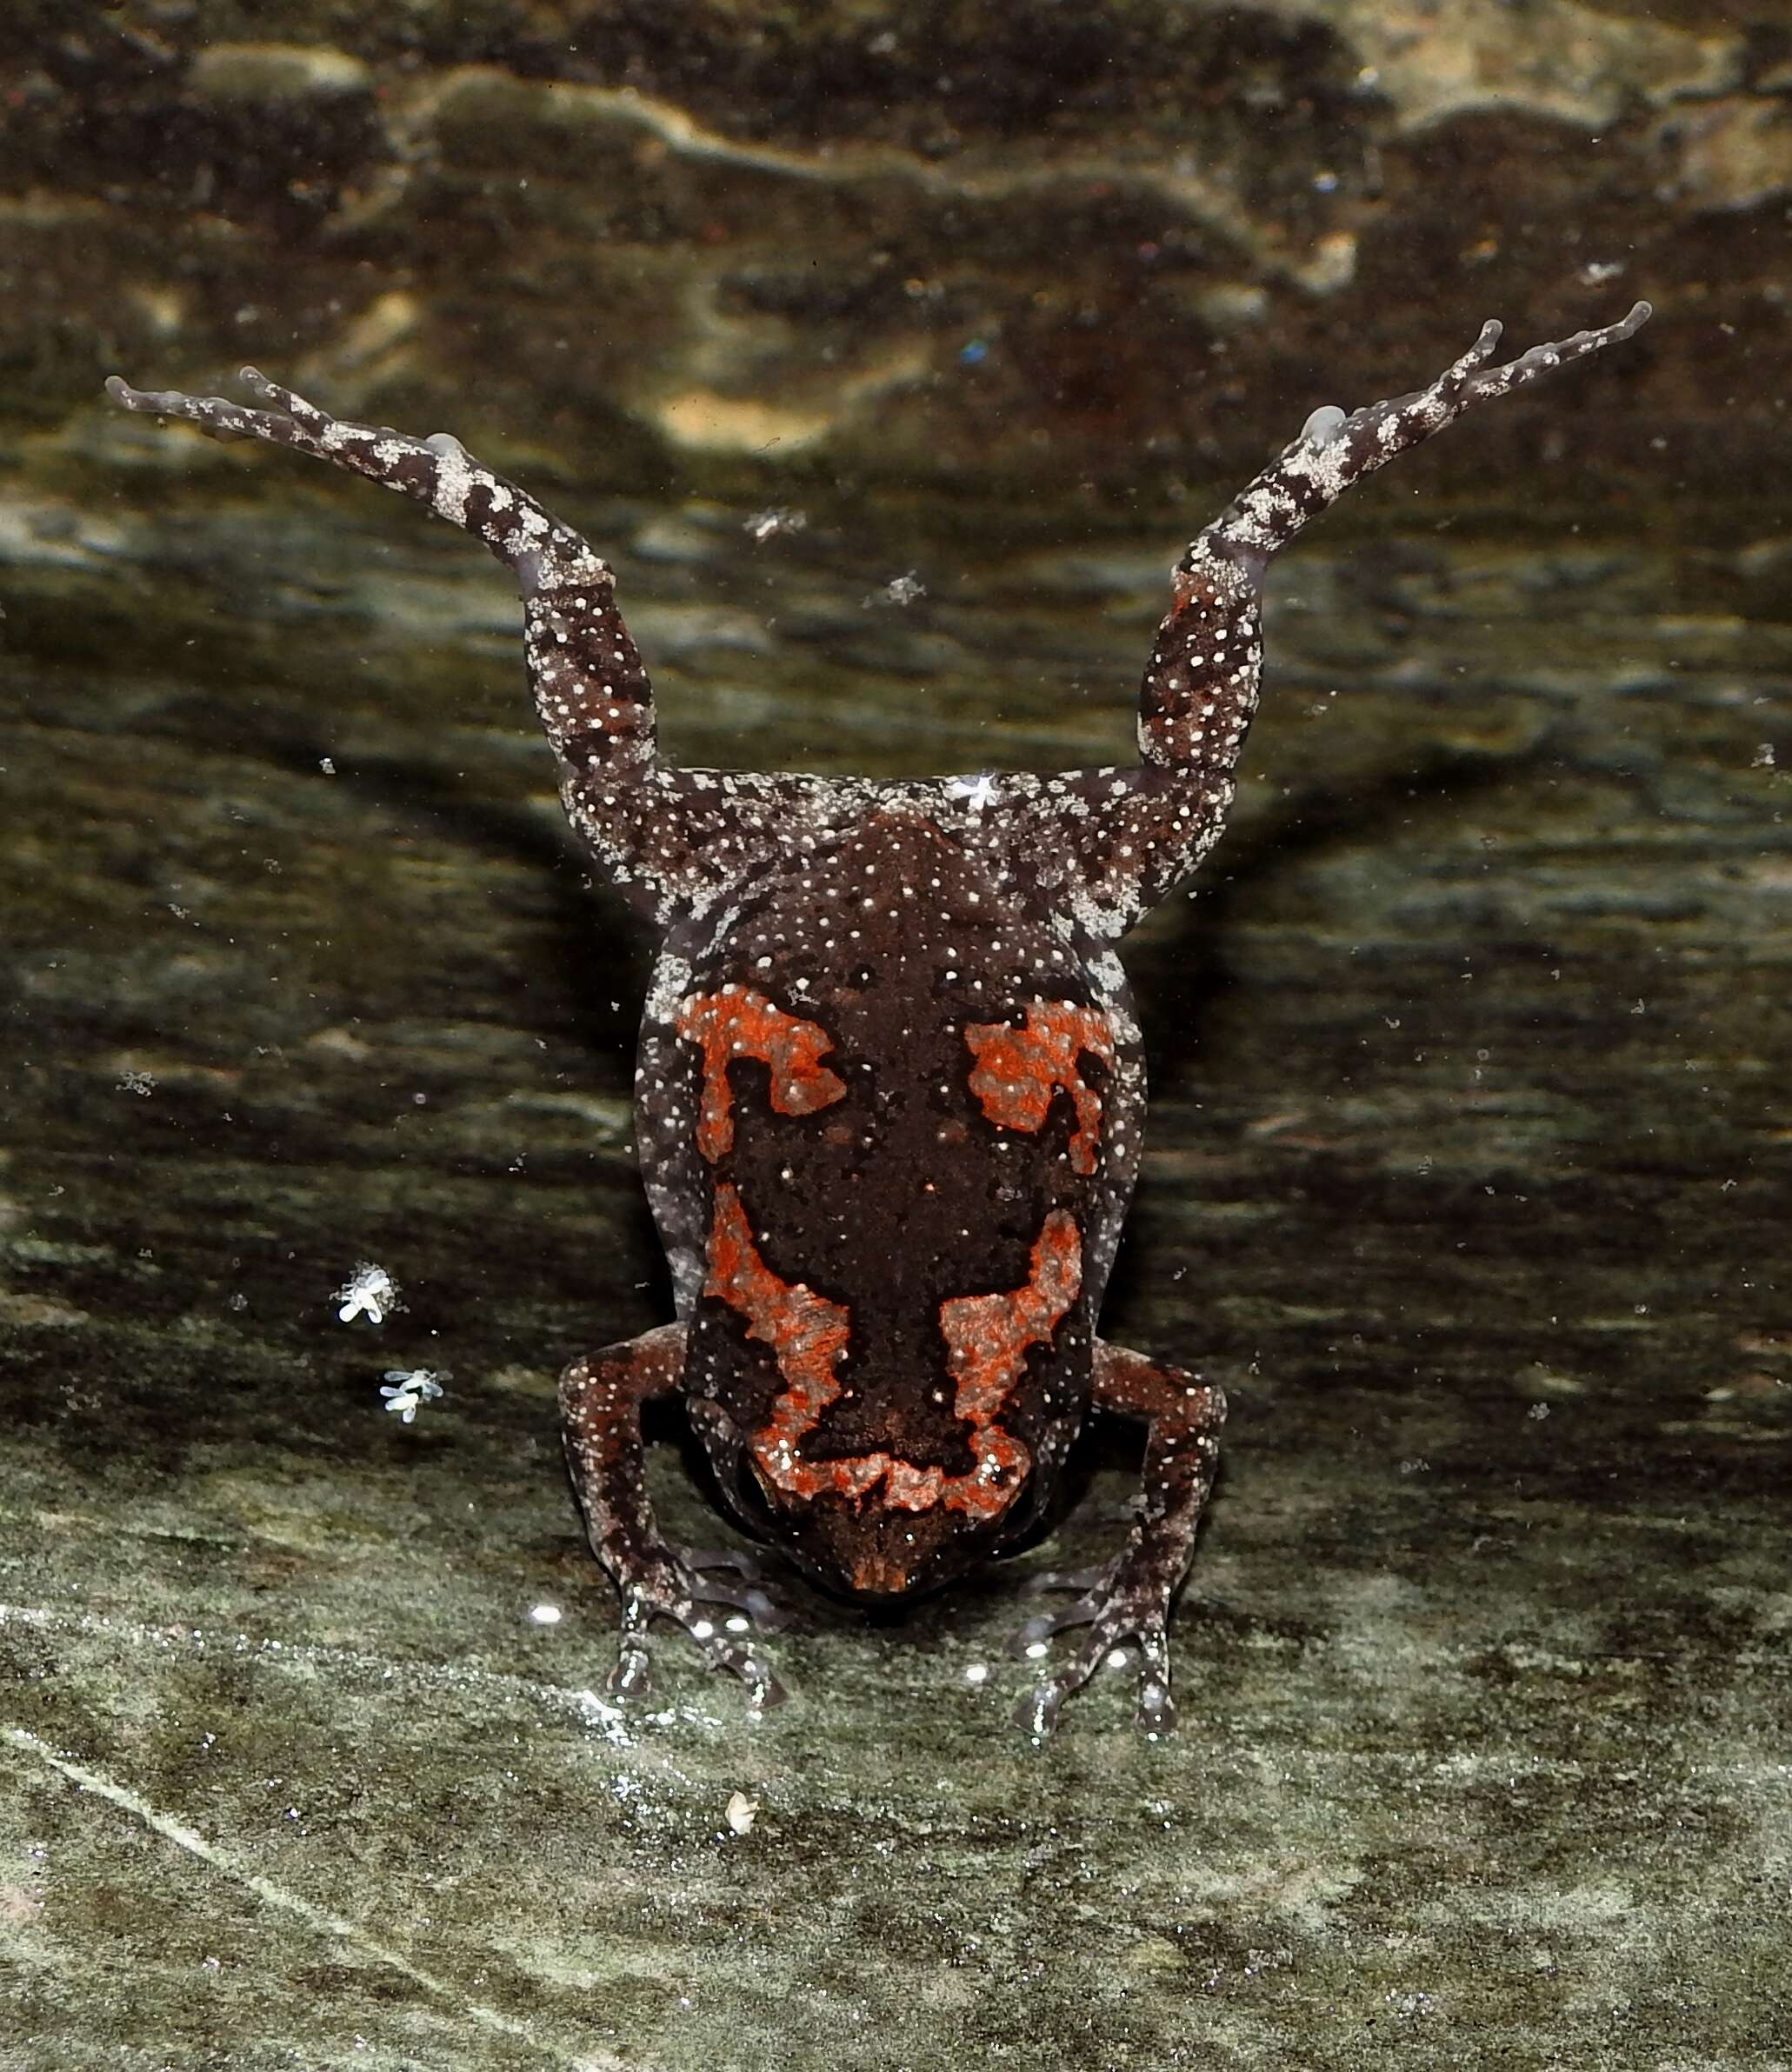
900,590
766,525
370,1292
408,1389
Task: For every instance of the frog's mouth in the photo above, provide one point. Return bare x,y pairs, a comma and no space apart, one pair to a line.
876,1575
874,1552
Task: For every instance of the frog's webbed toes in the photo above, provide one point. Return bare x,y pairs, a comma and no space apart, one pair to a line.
1083,1581
684,1601
271,395
632,1677
741,1598
1117,1624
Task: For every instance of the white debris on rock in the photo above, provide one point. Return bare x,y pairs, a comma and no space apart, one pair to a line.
408,1389
369,1291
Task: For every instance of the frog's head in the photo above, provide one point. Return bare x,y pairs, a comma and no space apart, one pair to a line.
884,1493
871,1550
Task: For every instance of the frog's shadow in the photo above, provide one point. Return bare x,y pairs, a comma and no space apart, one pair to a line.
601,998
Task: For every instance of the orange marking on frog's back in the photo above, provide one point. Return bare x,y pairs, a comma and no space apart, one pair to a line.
805,1330
986,1337
739,1022
1019,1071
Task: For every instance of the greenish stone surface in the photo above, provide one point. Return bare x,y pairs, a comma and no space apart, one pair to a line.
1468,1173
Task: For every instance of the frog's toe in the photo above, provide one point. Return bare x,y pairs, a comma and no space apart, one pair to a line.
743,1598
1083,1581
1156,1709
763,1688
631,1677
1031,1640
1038,1713
1111,1635
685,1604
746,1565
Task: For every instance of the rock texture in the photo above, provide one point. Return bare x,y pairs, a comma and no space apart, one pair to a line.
1468,1161
1043,243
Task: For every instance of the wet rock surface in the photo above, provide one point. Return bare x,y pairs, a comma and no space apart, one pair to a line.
945,243
1468,1166
1466,1178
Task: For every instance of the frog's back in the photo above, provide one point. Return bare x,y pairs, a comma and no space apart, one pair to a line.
899,1117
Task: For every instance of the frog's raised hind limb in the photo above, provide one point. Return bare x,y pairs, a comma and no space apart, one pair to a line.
589,683
1137,833
1201,683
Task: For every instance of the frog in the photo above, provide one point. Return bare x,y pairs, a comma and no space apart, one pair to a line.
889,1093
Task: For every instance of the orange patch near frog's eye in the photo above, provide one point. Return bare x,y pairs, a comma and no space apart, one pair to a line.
1019,1071
739,1022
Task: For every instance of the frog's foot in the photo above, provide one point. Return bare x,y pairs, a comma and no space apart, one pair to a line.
742,1595
663,1587
1127,1603
1120,1610
600,1400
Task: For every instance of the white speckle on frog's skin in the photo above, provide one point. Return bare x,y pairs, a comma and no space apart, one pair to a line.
975,792
369,1291
888,1023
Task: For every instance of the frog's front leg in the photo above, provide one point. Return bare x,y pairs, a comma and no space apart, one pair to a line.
1128,1600
600,1405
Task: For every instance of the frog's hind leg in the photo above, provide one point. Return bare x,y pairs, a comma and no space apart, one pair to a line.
1137,833
600,1405
590,687
1128,1600
1201,685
